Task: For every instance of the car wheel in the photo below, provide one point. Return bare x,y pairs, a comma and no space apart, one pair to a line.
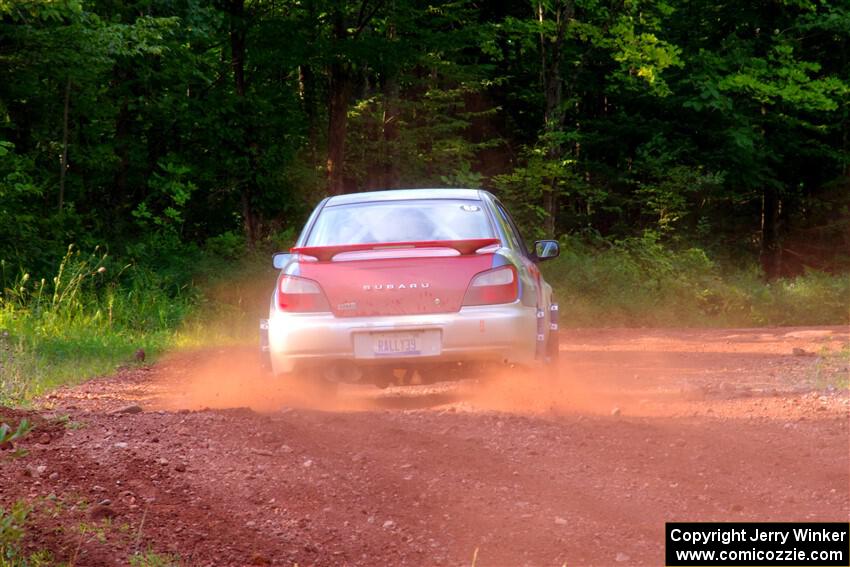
311,383
327,390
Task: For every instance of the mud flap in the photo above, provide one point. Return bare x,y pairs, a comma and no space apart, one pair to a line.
265,351
540,352
553,352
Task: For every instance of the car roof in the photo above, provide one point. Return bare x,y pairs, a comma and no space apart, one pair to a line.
404,195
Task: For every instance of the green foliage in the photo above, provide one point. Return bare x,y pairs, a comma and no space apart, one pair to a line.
686,137
20,225
96,312
426,146
170,190
228,246
152,559
12,524
640,282
92,315
8,435
680,119
523,188
234,297
12,530
677,118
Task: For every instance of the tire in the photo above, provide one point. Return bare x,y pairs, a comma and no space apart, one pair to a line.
316,385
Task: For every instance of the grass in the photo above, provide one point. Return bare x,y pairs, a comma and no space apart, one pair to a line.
15,522
35,364
230,306
95,314
152,559
68,423
12,530
832,370
640,282
91,317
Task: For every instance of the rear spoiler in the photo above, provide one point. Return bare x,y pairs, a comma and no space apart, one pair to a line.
326,253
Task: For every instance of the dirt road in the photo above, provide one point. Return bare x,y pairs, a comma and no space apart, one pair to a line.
224,468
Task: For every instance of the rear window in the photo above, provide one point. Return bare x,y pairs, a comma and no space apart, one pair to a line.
400,221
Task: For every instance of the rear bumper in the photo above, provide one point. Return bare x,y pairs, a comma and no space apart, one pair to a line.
491,333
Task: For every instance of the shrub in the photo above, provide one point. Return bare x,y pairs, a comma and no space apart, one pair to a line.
640,282
93,314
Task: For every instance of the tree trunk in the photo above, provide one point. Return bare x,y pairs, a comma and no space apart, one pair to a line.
237,64
341,84
340,91
551,53
307,80
63,159
771,250
122,152
390,133
340,88
389,122
237,45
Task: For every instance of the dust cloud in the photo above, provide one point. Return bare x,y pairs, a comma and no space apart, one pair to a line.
233,377
579,388
227,378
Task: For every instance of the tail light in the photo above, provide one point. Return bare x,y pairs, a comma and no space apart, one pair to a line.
301,295
499,285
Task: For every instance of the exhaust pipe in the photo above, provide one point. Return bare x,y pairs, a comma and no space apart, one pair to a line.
347,372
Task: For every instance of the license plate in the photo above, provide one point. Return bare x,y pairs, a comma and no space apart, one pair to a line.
394,344
397,344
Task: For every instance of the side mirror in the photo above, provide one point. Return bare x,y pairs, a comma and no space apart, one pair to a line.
280,260
546,250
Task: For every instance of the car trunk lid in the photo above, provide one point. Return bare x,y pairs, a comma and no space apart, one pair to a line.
402,278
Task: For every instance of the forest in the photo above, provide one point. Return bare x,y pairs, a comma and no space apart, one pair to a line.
693,156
